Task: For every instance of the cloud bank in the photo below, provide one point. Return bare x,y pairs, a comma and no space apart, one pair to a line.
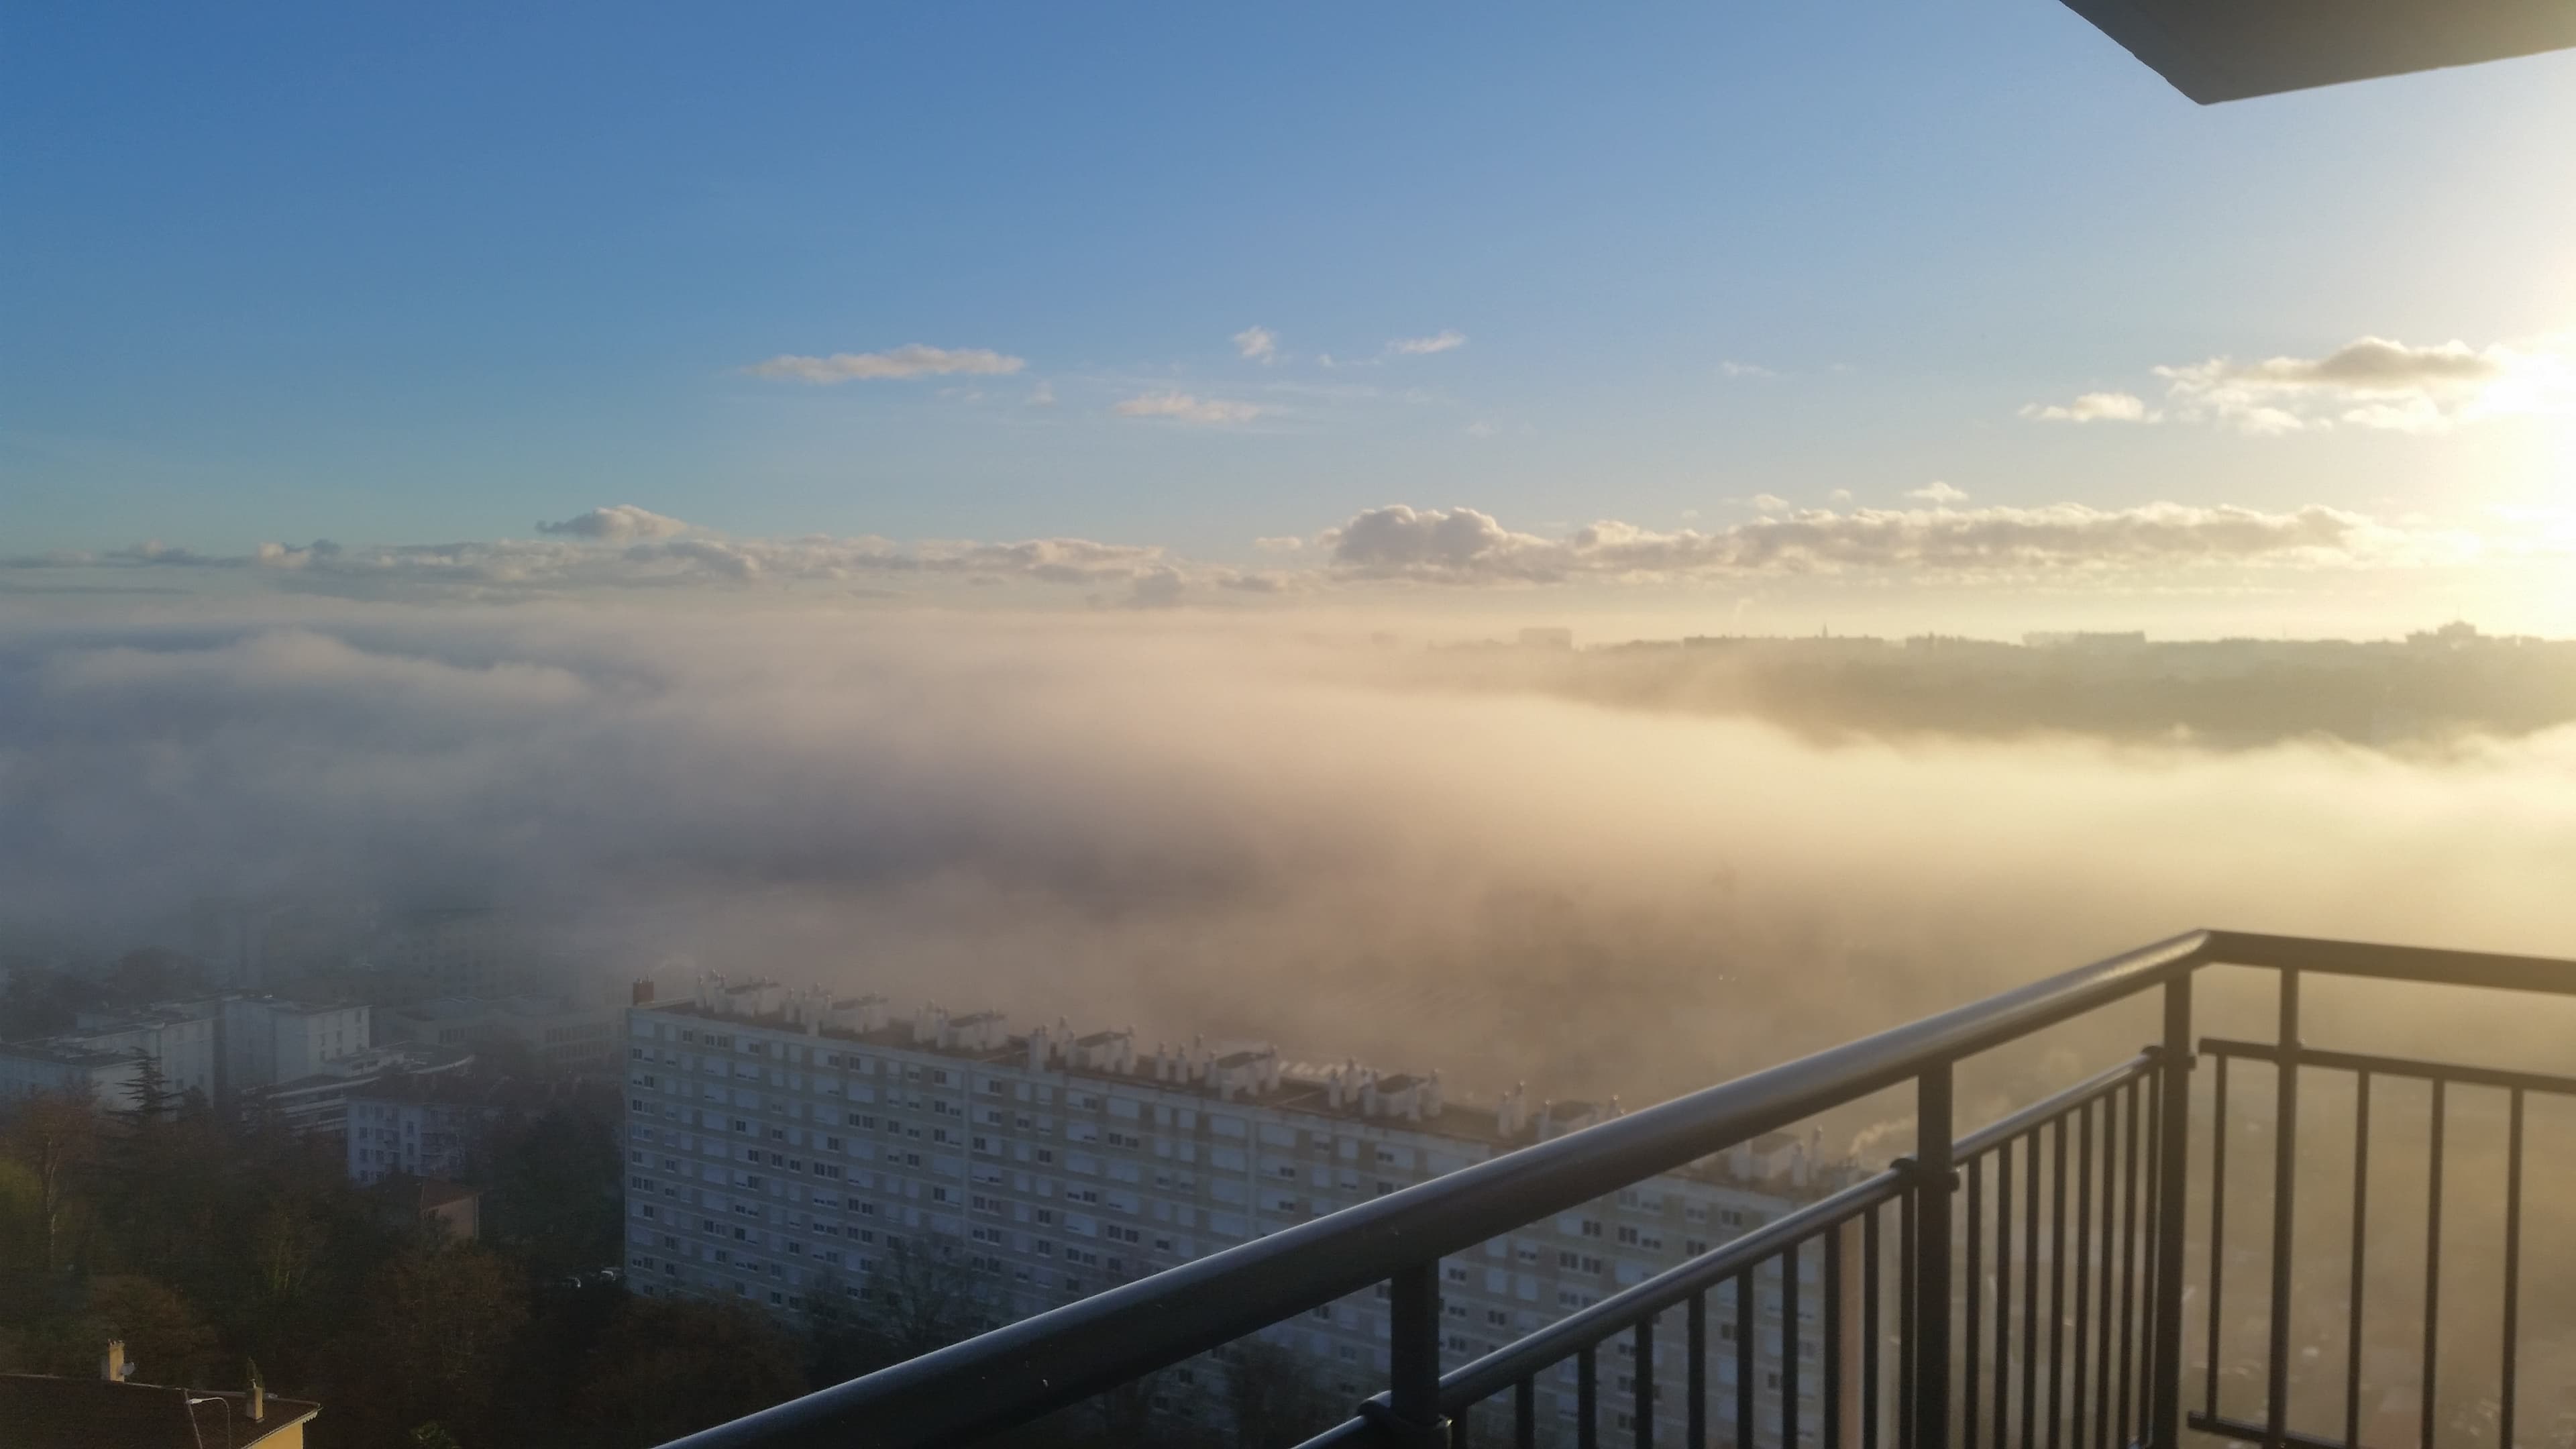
625,548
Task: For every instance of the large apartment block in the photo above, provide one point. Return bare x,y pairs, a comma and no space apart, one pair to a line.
783,1143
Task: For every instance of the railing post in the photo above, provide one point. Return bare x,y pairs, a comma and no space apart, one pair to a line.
2173,1121
2285,1162
1929,1334
1411,1415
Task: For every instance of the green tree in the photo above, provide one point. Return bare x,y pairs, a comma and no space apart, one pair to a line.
841,1340
55,1137
923,1296
434,1340
669,1367
165,1339
554,1192
1273,1396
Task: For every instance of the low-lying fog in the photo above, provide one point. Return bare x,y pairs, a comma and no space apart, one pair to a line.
1209,827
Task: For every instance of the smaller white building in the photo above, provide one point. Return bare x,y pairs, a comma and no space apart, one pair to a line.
317,1104
269,1040
186,1038
105,1077
418,1125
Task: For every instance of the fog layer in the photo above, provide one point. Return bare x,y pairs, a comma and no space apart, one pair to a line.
1204,827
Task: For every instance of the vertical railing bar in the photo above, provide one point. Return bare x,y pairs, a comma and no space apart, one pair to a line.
1872,1372
1695,1372
2130,1338
1908,1242
2360,1240
2003,1293
1789,1265
1643,1382
1525,1414
1459,1435
2285,1186
1935,1181
2433,1262
1831,1339
2217,1226
1587,1398
2083,1265
2056,1283
1744,1324
2173,1134
1413,1348
2512,1269
2111,1141
1972,1319
2030,1293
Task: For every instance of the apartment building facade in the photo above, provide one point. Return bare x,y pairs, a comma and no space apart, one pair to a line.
786,1144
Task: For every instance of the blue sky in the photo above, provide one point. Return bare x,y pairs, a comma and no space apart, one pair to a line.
393,277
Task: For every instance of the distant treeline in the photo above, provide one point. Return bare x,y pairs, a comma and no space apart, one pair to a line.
2227,694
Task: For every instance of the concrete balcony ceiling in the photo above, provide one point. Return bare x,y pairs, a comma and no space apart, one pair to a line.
2227,50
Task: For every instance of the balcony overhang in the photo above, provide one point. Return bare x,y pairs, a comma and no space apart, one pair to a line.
2227,50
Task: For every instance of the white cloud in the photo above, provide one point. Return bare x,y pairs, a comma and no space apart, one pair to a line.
1185,408
1839,495
1734,369
1937,491
2371,382
1284,543
2094,407
1769,503
911,360
1257,344
616,524
1042,396
1417,346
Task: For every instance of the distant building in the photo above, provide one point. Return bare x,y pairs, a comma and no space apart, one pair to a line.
460,951
42,1412
558,1034
2096,642
783,1144
431,1124
317,1104
1547,638
46,1065
220,1047
454,1207
268,1040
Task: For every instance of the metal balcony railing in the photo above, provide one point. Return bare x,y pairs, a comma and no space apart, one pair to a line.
2020,1284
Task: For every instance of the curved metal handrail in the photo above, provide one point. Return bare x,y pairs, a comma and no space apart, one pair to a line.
1036,1365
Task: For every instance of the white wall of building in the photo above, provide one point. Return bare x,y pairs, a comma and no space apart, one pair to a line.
766,1162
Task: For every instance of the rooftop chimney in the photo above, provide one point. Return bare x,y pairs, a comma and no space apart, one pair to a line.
258,1395
643,993
112,1366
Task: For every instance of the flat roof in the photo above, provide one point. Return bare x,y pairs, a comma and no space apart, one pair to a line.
2229,50
1458,1121
44,1412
